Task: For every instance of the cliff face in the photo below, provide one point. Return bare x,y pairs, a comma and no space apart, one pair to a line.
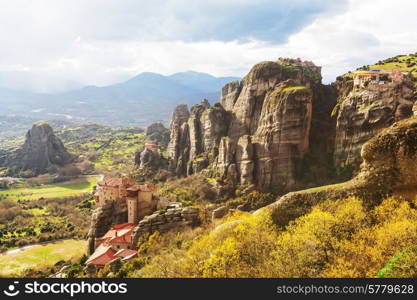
103,218
179,145
150,159
261,132
389,164
158,133
42,152
362,112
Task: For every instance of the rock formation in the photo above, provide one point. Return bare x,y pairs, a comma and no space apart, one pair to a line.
150,158
147,159
261,131
175,217
103,218
42,152
364,111
158,133
389,164
179,144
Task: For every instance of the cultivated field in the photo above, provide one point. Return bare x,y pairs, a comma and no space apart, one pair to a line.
37,256
59,190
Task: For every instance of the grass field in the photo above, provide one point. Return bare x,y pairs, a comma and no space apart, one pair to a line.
38,256
60,190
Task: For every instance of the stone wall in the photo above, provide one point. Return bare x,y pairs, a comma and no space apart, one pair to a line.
175,217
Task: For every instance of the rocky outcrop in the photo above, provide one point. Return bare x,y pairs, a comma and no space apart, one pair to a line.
195,139
103,218
158,133
364,111
219,212
207,125
175,217
148,159
179,144
262,130
389,164
42,152
151,159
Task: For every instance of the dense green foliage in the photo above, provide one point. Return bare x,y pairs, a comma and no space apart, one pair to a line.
189,191
103,148
45,213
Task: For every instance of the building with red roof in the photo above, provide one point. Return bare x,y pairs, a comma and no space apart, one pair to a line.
116,243
121,194
138,197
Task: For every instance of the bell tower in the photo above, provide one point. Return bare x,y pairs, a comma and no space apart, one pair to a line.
132,209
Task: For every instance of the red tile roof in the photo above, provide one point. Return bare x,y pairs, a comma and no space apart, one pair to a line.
102,255
125,253
120,233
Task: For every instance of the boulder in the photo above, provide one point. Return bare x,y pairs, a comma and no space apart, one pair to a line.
219,212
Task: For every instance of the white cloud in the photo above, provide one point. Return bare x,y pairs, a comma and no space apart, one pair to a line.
103,42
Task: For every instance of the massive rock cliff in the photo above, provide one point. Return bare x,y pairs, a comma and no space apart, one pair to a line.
266,131
152,159
389,164
42,152
363,111
158,133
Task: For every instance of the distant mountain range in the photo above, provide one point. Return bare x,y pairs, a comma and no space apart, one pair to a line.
141,100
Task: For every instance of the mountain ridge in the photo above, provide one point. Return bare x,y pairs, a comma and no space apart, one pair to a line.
141,100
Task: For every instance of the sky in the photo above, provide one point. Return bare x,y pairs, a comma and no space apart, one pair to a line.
53,45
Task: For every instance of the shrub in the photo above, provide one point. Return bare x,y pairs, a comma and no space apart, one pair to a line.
188,191
403,264
253,200
393,229
342,238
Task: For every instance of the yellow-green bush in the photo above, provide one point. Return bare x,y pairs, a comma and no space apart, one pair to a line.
339,238
403,264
